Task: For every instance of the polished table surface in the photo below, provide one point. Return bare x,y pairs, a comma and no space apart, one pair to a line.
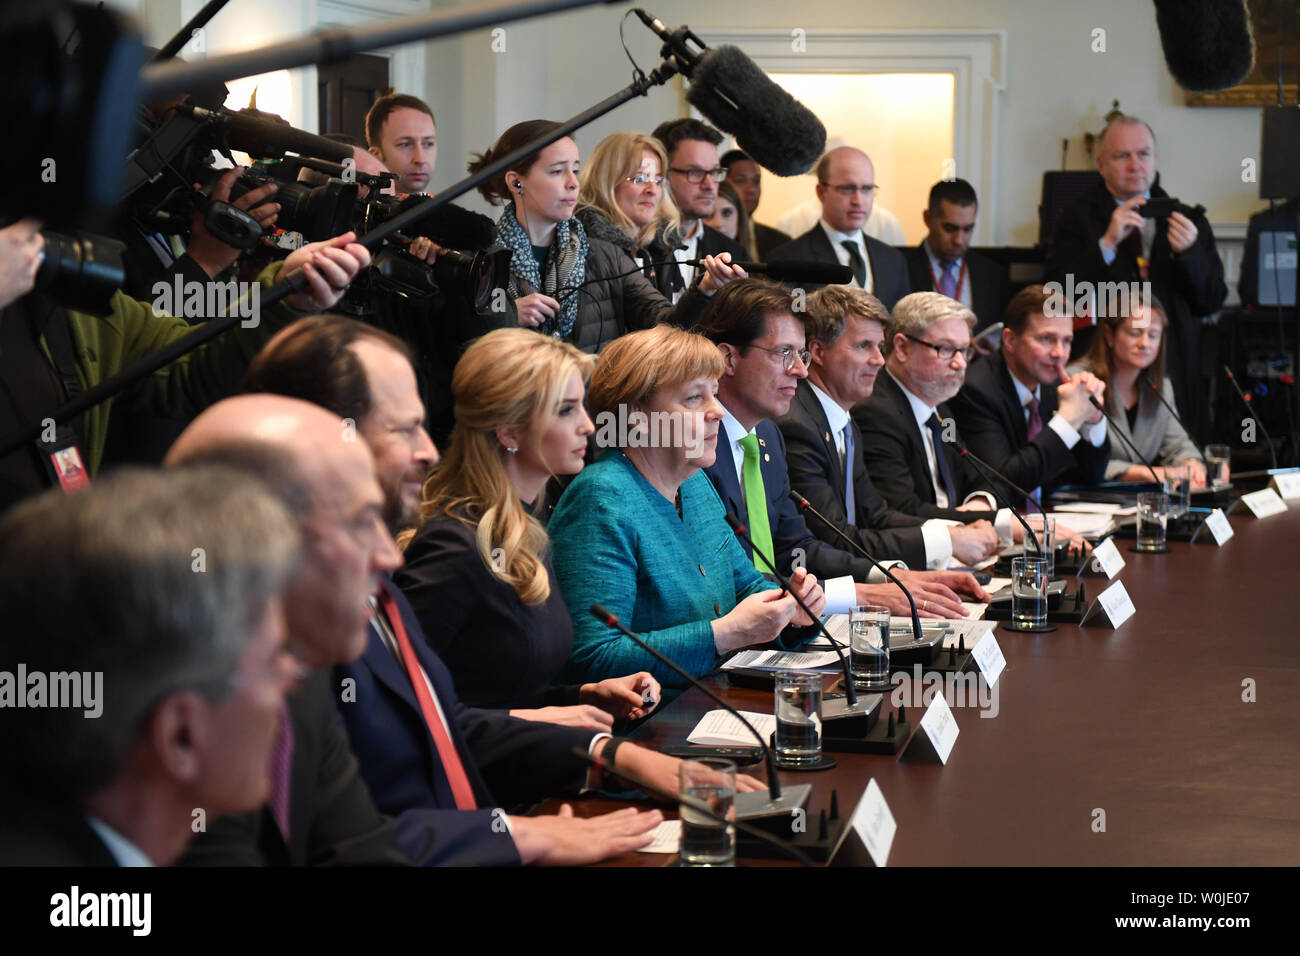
1145,722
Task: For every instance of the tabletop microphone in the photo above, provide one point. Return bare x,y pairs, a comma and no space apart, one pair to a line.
850,694
1245,400
602,614
988,471
1152,385
803,504
1114,430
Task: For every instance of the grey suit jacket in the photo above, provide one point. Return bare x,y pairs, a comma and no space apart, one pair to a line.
1156,433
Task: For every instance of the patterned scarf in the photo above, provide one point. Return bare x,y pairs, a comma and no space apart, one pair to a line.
565,268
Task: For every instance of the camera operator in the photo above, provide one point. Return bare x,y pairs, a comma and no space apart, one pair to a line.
49,353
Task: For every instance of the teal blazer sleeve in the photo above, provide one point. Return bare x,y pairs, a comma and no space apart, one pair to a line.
617,541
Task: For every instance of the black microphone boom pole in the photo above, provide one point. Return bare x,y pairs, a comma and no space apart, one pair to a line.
606,617
850,694
803,505
1251,412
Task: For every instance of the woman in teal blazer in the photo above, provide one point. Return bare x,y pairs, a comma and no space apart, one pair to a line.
643,532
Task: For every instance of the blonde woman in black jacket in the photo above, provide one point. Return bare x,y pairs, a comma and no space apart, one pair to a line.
583,290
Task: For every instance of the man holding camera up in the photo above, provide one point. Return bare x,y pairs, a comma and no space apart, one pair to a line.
1106,237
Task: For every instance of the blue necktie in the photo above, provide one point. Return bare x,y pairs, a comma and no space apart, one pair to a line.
850,507
945,474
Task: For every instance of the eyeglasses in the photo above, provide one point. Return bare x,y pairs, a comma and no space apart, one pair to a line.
696,175
788,355
847,191
641,179
945,352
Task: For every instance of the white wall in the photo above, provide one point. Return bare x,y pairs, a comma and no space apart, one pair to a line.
1055,85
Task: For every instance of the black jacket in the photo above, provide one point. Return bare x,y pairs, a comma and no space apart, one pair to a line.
892,450
668,277
766,239
990,289
37,831
888,267
813,462
1189,286
992,422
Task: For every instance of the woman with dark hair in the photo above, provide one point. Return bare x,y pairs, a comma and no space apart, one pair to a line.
1129,356
579,289
730,219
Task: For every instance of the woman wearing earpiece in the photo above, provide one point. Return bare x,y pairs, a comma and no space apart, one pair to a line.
564,283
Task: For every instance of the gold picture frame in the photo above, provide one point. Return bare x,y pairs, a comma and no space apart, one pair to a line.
1270,20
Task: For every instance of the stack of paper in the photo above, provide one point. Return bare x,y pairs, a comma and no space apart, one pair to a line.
720,728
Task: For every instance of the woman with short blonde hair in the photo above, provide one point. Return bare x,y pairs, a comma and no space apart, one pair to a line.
477,570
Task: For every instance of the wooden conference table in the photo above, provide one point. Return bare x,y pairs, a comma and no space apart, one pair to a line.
1146,722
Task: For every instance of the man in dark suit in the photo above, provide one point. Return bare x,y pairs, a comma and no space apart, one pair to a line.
846,328
943,261
161,688
762,343
327,815
747,176
846,186
1103,238
1015,413
694,172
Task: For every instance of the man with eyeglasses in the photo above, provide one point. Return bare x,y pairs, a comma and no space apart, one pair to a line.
943,261
694,172
846,186
761,338
1015,412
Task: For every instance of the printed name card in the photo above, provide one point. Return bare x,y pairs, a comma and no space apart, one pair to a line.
939,733
1113,606
874,824
1217,524
1264,503
1287,486
988,655
1107,559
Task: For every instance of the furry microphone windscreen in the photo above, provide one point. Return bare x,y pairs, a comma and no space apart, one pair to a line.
780,133
1207,43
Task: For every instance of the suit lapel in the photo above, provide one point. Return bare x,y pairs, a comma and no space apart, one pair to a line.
723,472
1007,388
922,480
822,426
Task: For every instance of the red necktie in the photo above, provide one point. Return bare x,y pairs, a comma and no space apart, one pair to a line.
451,762
1035,424
281,772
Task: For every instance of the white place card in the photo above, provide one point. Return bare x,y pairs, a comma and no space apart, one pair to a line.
1113,605
1217,524
1264,503
988,655
874,824
939,733
1287,486
1107,559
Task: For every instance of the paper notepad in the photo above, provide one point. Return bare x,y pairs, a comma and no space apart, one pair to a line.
782,660
720,728
665,838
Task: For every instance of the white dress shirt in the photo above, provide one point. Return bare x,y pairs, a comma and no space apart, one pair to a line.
840,592
922,412
123,850
689,251
838,239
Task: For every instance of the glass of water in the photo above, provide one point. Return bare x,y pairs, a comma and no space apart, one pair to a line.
1152,517
708,839
798,707
1178,489
1046,545
869,646
1029,591
1218,458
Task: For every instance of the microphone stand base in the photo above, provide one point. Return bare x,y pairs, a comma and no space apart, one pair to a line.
823,762
1136,550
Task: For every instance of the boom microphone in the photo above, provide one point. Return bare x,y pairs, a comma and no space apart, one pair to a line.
1207,43
808,271
776,130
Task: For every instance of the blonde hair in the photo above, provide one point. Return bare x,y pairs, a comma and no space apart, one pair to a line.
615,158
508,377
635,366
